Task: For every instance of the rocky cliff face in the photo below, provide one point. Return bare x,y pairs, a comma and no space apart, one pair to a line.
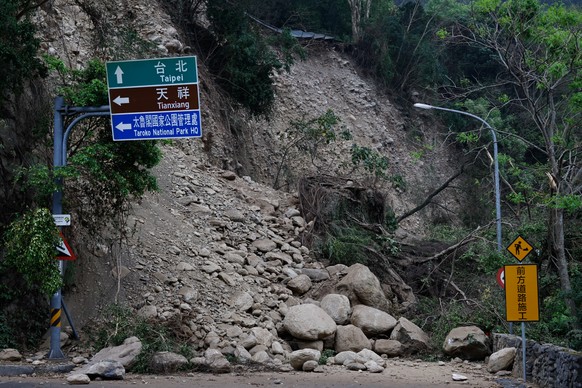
217,248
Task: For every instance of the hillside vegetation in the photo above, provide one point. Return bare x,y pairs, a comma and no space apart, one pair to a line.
329,123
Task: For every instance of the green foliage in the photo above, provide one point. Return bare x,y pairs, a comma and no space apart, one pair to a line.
347,246
107,174
398,182
84,87
438,316
371,160
327,353
18,47
289,47
309,136
570,203
555,321
6,335
41,181
398,47
120,323
30,250
243,59
346,241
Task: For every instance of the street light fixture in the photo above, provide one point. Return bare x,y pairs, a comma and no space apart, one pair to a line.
495,162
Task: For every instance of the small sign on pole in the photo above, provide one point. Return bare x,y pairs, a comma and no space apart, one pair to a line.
520,248
62,219
64,249
501,277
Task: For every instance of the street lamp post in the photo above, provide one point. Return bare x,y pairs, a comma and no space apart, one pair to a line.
495,162
497,202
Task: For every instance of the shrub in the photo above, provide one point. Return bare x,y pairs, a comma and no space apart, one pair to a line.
30,250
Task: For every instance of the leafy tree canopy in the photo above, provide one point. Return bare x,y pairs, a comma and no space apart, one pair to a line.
18,46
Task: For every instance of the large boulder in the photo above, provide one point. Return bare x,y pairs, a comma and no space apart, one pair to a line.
106,370
351,338
167,362
501,360
390,348
372,321
361,286
126,353
308,322
467,343
337,307
412,337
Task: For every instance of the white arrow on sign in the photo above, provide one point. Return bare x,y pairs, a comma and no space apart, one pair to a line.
122,126
121,100
119,74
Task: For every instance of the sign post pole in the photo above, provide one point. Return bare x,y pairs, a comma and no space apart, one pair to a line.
521,292
55,351
60,160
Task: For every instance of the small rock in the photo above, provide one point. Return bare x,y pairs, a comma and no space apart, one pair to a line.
458,377
309,366
78,379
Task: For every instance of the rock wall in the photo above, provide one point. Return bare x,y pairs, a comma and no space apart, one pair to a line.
546,365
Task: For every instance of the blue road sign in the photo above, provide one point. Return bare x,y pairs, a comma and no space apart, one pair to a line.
154,98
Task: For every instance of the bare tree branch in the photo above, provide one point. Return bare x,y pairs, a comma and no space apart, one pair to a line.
431,196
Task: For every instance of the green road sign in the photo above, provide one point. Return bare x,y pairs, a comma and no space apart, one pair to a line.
152,72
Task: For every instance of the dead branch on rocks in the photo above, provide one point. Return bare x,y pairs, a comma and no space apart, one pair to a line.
428,199
408,260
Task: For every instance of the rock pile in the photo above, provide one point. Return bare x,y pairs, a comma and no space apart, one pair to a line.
237,279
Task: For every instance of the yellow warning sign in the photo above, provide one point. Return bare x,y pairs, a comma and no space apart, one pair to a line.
521,293
520,248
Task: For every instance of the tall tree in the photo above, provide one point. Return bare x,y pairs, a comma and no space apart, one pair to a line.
539,48
360,10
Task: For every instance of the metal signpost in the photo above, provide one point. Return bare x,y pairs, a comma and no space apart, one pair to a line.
149,99
521,291
154,98
60,140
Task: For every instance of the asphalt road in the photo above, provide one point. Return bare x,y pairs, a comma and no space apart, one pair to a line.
260,379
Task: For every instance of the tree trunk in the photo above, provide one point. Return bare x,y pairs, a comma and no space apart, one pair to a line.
356,8
557,227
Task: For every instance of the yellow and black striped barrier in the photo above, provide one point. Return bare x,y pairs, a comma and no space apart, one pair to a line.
55,318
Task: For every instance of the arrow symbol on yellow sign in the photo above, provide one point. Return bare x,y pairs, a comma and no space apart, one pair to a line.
121,100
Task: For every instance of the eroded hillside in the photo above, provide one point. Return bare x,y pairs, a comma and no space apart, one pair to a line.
194,248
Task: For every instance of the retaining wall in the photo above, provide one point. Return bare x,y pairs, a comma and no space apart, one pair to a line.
546,365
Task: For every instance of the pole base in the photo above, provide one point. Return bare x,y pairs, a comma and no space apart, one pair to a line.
54,354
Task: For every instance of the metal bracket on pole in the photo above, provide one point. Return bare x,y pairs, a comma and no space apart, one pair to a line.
60,160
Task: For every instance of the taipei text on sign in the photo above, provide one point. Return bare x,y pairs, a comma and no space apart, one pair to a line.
154,98
521,293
